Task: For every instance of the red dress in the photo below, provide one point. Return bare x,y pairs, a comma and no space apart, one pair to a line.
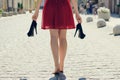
57,14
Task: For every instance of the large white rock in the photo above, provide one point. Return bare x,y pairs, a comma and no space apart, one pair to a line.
89,19
104,13
105,16
116,30
101,23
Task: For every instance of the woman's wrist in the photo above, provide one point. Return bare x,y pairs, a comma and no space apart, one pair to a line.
36,11
77,13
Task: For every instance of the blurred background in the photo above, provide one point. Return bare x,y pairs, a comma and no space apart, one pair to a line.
29,5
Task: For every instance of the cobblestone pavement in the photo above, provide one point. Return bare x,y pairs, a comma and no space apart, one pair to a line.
97,57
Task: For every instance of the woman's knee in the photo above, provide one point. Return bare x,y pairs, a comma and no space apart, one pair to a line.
62,35
62,38
54,35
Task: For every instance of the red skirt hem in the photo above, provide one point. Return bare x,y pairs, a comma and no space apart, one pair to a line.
56,28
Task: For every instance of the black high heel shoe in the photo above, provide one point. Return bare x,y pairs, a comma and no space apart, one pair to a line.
35,28
80,34
32,27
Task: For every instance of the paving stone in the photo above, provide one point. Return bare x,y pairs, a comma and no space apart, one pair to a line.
94,58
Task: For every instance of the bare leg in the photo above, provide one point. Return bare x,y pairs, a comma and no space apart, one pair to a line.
54,47
62,47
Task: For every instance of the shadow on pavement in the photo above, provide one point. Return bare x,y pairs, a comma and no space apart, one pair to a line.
82,79
114,35
115,15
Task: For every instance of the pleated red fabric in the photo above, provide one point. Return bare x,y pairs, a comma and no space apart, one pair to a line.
57,14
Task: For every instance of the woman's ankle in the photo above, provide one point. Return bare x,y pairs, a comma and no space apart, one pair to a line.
57,68
61,68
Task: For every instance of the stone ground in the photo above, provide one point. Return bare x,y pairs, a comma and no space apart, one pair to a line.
97,57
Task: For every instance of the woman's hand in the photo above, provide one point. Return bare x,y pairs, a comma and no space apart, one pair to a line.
78,18
35,16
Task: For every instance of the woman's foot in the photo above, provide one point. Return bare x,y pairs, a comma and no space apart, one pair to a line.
55,72
61,67
62,75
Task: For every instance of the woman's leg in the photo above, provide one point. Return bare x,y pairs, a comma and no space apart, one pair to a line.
54,47
62,47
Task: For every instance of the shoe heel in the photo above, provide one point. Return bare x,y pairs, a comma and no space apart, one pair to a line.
35,29
75,32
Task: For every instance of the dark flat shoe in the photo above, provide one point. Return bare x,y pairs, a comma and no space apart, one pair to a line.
56,73
62,75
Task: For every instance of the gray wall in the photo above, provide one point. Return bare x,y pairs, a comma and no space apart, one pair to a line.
0,3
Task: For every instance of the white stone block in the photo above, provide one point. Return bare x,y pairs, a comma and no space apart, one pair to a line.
116,30
89,19
104,13
101,23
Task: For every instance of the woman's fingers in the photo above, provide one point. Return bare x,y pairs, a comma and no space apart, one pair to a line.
79,20
35,16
